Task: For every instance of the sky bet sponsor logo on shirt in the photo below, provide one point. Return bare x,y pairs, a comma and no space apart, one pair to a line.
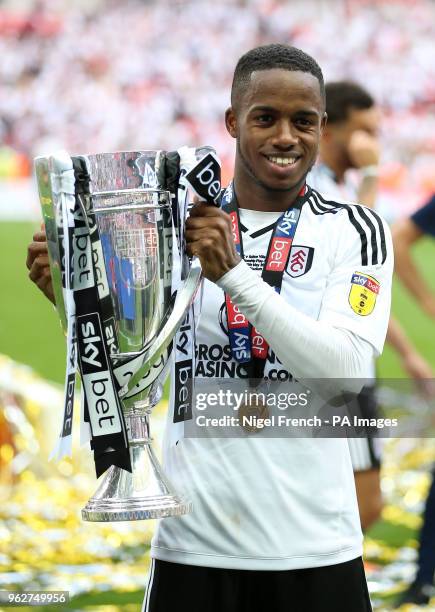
363,293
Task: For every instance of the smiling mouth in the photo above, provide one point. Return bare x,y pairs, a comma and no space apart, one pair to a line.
282,162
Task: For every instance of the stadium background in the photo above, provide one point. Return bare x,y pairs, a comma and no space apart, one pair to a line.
112,75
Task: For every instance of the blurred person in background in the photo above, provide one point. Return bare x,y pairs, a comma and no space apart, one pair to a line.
350,141
407,233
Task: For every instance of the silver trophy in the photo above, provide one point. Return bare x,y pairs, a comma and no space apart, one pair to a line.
130,210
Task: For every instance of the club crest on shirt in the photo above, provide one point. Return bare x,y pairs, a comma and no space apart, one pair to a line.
363,292
300,260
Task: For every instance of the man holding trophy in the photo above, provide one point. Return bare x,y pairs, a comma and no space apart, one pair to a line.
274,524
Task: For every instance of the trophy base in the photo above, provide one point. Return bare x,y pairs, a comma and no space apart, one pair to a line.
144,493
109,510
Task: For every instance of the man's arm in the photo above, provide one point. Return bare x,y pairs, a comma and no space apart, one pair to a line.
405,234
412,362
364,153
308,348
38,265
368,187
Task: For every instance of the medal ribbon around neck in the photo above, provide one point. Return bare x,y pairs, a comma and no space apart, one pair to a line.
247,344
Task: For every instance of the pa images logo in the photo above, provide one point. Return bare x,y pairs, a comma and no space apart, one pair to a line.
364,290
300,260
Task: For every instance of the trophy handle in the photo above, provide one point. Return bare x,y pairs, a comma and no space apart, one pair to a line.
53,177
184,298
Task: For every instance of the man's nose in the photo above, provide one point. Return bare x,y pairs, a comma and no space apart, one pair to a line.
285,135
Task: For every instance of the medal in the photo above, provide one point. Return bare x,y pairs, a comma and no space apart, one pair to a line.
251,416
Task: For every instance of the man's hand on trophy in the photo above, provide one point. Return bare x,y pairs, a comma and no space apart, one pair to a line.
209,237
38,265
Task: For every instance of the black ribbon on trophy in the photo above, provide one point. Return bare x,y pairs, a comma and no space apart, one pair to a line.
95,325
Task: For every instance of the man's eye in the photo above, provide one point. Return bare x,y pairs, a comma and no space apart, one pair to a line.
264,118
303,122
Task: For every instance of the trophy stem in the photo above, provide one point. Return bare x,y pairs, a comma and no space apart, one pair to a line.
145,493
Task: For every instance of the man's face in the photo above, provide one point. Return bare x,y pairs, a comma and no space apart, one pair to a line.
277,123
339,135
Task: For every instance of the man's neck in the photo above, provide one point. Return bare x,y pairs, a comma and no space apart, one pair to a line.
253,196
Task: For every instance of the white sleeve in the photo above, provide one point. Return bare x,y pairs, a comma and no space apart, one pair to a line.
358,297
316,349
341,343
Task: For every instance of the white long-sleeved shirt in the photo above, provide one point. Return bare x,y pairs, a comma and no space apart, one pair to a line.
318,349
287,502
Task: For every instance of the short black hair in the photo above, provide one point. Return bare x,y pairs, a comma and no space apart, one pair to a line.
268,57
342,97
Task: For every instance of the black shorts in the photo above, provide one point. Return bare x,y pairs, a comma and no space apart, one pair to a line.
173,587
365,452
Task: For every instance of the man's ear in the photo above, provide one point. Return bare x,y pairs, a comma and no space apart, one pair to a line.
231,122
323,123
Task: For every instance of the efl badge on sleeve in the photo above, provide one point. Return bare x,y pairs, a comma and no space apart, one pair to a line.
363,293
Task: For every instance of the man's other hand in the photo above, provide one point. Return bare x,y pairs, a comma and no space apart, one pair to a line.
427,303
38,264
209,237
421,372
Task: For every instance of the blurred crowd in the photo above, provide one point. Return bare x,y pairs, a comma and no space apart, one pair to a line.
125,74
